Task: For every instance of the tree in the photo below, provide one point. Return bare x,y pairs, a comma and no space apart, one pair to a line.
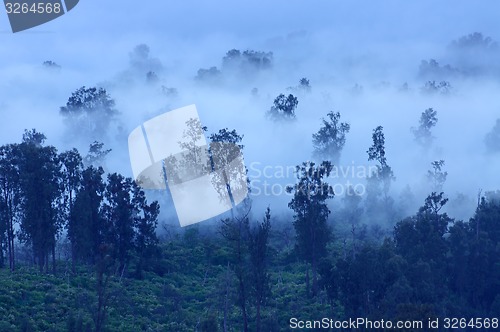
226,158
423,134
141,61
351,214
432,69
283,108
71,178
86,228
484,253
259,252
51,65
10,200
96,155
246,63
492,139
475,41
421,237
305,85
119,214
382,177
145,222
236,232
433,87
194,161
40,174
104,272
330,139
311,213
421,241
89,113
436,176
210,75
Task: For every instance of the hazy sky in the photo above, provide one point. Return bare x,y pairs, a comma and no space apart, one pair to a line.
112,25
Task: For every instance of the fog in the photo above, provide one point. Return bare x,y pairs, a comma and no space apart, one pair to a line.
335,45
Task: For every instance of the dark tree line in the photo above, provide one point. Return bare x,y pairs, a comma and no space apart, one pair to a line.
46,195
432,266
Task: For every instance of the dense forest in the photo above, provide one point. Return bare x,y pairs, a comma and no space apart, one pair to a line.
85,248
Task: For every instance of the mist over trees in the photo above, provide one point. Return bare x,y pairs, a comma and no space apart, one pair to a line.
330,139
242,65
492,139
283,108
89,113
47,194
423,133
88,250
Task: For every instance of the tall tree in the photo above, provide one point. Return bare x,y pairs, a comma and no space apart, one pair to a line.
436,176
236,232
86,226
330,139
420,239
259,255
379,183
96,155
226,158
71,179
145,222
40,174
119,213
423,133
10,199
310,194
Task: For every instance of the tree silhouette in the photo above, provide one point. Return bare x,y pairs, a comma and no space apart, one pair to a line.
310,194
283,108
330,139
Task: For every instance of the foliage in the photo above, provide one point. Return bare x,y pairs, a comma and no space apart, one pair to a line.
330,139
492,139
89,113
423,134
283,108
311,213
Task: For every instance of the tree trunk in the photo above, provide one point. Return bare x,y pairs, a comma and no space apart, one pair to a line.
41,258
226,299
258,316
314,276
308,284
2,262
12,252
10,237
243,304
54,258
